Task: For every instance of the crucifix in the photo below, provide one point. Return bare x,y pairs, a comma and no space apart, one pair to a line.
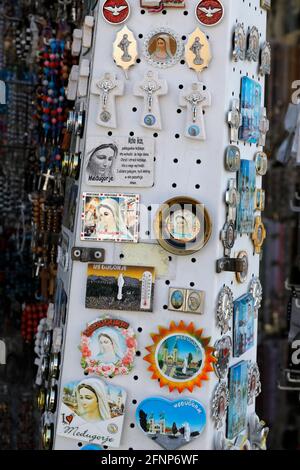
151,88
47,177
264,126
195,99
39,264
235,120
108,87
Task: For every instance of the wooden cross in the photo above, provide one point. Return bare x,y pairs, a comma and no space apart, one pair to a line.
195,99
150,89
108,88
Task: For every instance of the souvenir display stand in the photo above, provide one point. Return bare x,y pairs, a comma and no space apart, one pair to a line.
183,167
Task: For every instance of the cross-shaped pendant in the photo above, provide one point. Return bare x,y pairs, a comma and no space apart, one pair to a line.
195,99
108,88
47,177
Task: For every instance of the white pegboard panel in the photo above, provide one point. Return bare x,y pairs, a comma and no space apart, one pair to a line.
182,167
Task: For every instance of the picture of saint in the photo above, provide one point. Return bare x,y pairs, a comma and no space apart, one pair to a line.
162,48
101,162
110,349
237,410
183,225
92,401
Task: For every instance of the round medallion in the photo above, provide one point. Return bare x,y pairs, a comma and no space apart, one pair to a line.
225,309
180,357
177,299
254,385
105,116
232,158
261,163
223,352
108,347
115,11
255,289
209,12
163,48
220,404
182,226
149,120
194,131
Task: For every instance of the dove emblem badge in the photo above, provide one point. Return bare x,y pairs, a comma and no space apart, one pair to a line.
116,11
209,12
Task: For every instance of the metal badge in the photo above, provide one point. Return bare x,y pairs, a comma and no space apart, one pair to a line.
253,45
47,436
259,200
242,276
258,433
125,51
186,300
163,48
220,402
86,255
54,365
223,353
264,127
195,99
235,120
239,43
41,399
259,235
51,399
45,367
197,52
228,236
255,289
265,59
47,341
182,226
209,12
115,11
232,158
261,163
232,199
225,309
254,385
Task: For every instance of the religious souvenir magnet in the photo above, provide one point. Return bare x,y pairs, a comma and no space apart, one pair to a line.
125,50
156,6
254,385
239,43
116,287
223,352
41,399
171,423
264,127
246,189
232,199
163,47
259,200
195,99
232,158
182,226
108,346
186,300
151,88
261,163
92,411
265,59
116,11
266,4
225,309
243,320
219,405
240,443
47,341
45,367
234,120
197,52
107,88
120,161
253,45
241,276
259,235
54,365
251,111
180,357
228,237
255,288
47,436
258,433
209,12
51,398
237,409
110,217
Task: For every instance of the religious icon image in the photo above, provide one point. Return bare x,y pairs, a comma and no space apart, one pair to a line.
195,99
253,45
224,309
223,353
254,384
251,111
163,48
186,300
116,11
171,424
110,217
108,346
209,12
92,410
259,200
180,357
261,163
197,51
238,391
114,287
243,319
265,59
246,189
108,88
232,158
120,161
239,43
220,401
125,52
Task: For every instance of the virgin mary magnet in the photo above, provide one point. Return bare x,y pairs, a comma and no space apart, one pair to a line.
108,347
180,357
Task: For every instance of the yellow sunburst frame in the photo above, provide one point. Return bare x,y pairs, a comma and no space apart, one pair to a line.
192,335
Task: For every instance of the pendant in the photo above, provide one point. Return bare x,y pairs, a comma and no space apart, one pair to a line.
254,385
225,310
107,88
219,406
197,52
186,300
261,163
116,11
209,12
232,159
125,51
195,99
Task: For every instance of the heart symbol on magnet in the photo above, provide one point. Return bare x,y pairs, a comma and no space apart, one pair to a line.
69,419
171,423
